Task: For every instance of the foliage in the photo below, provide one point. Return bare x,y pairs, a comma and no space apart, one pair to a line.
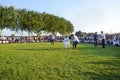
43,61
32,21
2,18
78,33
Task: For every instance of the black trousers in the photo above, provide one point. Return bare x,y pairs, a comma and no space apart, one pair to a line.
95,42
103,43
52,41
74,44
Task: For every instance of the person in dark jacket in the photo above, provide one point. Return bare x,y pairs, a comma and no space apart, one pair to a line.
95,39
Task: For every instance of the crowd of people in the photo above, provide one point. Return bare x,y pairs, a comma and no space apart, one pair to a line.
96,39
106,40
25,39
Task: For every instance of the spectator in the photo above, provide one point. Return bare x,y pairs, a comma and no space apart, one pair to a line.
95,36
103,39
52,39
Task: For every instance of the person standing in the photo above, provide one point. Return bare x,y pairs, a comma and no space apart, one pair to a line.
95,39
75,41
103,39
52,39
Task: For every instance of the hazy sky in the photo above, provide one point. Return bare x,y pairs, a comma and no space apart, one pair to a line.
86,15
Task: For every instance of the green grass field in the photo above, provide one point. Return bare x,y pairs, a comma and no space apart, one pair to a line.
43,61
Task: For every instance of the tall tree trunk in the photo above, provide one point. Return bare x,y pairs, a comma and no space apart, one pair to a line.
21,36
29,33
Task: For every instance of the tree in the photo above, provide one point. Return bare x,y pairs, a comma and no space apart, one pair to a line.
70,28
20,20
55,24
64,27
11,18
38,23
78,33
21,14
3,13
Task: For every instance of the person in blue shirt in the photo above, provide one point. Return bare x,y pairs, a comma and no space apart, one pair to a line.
52,39
95,36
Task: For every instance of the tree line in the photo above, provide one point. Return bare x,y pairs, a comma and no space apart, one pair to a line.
21,20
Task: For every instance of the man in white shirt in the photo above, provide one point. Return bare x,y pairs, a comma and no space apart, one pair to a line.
75,40
103,37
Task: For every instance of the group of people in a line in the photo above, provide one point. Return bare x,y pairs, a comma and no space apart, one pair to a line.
105,41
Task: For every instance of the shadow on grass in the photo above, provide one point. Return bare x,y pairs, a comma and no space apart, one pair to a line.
92,75
102,76
42,49
109,62
107,73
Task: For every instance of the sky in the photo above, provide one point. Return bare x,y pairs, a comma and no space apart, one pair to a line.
85,15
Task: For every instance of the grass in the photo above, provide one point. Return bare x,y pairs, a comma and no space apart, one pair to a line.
43,61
